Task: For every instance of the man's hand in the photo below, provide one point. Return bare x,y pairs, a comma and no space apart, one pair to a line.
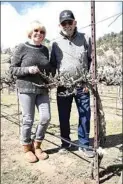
33,70
85,89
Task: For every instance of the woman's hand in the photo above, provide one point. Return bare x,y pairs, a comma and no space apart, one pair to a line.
33,70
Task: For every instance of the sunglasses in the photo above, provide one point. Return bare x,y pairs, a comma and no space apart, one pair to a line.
69,22
37,30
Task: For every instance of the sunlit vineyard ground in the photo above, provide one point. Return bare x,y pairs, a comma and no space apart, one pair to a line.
71,168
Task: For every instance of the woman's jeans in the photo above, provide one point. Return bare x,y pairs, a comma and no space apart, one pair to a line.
64,109
28,102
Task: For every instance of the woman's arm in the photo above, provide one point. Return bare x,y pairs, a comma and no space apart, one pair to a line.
16,60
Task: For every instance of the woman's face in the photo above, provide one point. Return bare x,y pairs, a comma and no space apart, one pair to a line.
38,36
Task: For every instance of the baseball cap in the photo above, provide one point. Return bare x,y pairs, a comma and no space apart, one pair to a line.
66,15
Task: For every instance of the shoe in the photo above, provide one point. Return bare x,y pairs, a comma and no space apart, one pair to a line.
87,152
41,155
29,155
64,149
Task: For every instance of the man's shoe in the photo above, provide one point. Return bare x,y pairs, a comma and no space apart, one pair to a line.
64,149
87,152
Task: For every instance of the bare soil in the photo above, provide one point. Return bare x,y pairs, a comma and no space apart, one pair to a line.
70,168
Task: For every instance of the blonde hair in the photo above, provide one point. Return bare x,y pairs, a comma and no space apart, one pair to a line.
35,25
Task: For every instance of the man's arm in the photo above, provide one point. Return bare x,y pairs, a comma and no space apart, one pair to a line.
89,53
88,46
53,61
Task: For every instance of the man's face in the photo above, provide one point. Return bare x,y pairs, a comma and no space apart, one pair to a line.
68,27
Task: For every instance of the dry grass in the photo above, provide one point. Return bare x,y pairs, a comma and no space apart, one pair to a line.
69,168
109,99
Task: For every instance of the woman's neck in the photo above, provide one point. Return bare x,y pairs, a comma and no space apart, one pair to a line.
34,43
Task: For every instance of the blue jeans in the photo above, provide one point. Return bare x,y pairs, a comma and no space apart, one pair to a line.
28,103
64,109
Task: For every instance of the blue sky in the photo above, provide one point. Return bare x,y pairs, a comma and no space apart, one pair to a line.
15,16
21,7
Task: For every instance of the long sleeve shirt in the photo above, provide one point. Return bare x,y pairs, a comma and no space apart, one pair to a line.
27,55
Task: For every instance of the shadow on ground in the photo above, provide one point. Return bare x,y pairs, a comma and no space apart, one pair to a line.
111,141
110,171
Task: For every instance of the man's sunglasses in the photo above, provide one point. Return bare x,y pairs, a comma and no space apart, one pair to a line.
69,22
37,30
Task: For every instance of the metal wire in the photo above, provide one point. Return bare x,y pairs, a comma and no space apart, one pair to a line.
74,144
118,14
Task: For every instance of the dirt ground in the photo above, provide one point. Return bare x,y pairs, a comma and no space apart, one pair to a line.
70,168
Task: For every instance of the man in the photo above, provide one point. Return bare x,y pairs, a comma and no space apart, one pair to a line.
70,51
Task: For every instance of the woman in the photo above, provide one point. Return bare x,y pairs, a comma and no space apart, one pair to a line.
29,59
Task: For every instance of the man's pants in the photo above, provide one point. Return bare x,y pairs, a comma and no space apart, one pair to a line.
64,109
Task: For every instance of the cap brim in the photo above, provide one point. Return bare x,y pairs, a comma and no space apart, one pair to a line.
66,19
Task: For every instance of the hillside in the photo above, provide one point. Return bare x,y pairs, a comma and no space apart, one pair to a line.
110,45
111,40
109,58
